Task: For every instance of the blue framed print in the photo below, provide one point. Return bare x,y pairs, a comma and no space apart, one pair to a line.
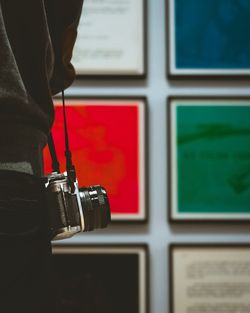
209,38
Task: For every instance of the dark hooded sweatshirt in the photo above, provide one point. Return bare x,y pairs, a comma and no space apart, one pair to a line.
36,42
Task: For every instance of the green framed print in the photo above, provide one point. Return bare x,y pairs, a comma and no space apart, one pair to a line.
209,159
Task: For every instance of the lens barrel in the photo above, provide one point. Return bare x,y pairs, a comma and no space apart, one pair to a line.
95,206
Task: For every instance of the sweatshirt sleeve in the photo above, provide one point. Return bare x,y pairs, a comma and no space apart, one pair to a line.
63,19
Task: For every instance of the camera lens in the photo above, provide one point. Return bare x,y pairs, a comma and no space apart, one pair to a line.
95,205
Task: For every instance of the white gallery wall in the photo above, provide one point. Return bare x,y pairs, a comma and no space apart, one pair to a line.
157,233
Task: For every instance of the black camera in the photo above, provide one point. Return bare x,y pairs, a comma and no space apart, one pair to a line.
73,209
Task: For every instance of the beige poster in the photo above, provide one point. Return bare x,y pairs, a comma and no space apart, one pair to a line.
110,38
210,279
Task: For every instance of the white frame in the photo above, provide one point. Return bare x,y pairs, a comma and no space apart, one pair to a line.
181,256
97,61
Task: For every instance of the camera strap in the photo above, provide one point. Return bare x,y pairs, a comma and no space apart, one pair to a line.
71,173
69,165
52,150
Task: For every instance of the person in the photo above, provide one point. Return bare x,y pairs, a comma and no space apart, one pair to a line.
36,43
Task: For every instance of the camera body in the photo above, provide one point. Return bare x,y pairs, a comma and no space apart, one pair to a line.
73,209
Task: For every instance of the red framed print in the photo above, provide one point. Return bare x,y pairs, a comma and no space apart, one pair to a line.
107,141
101,278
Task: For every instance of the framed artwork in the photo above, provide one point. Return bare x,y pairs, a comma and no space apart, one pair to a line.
208,38
209,160
209,278
111,39
107,138
107,279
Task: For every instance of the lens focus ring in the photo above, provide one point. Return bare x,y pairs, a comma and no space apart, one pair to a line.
96,209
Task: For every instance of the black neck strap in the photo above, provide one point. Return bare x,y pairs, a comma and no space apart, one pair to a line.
55,164
52,150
